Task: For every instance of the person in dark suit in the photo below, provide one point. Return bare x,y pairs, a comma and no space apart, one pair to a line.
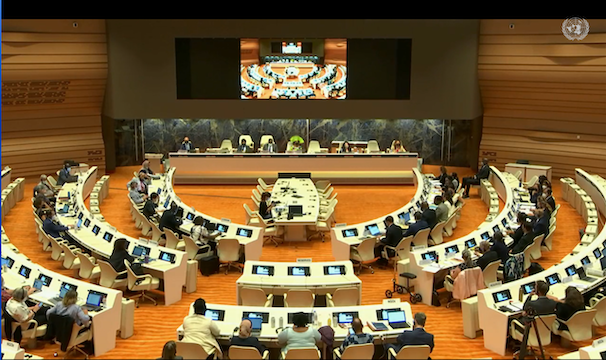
550,200
417,226
544,304
393,235
541,225
429,215
186,144
572,303
270,147
169,352
65,176
50,226
170,220
499,247
119,254
483,173
443,174
418,335
519,232
264,207
526,239
244,338
486,256
243,148
149,209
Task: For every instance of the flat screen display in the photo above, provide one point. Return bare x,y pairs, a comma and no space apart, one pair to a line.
373,229
264,316
108,237
96,230
46,280
24,271
244,232
167,256
263,270
222,228
470,243
431,255
310,317
585,260
350,232
217,315
86,222
553,279
452,249
298,271
527,288
501,296
293,69
346,317
334,270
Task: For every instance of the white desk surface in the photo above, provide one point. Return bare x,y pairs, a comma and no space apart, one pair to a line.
282,279
269,336
295,192
105,321
494,322
172,274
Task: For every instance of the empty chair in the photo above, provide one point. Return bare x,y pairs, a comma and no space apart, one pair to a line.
141,283
411,352
579,327
436,234
109,276
327,199
299,298
189,350
363,255
319,229
448,228
544,324
400,251
356,352
226,145
343,297
333,203
328,217
535,251
272,232
549,239
146,227
256,197
326,195
323,185
531,182
301,354
157,233
251,216
57,252
255,297
373,147
195,252
421,238
527,258
88,270
598,302
70,259
247,353
172,240
490,272
228,251
264,185
314,147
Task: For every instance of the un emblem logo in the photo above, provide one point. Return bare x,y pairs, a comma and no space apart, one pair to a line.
575,28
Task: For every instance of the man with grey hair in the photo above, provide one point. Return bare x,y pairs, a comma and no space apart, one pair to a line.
135,195
45,188
244,338
418,335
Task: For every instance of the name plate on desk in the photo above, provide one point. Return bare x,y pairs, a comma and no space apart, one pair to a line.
419,247
391,301
567,279
14,346
304,260
226,220
450,255
596,272
596,343
495,284
425,262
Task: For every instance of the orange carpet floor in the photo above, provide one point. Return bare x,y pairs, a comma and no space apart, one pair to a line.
154,325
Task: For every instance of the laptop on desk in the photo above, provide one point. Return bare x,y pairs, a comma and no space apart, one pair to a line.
583,276
397,320
257,323
62,292
93,301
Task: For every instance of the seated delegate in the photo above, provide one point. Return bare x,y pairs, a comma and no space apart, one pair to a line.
244,339
418,335
65,175
483,173
358,337
345,148
149,209
270,147
201,330
243,148
186,144
393,235
201,236
486,256
68,307
417,226
298,336
264,207
169,351
467,264
22,310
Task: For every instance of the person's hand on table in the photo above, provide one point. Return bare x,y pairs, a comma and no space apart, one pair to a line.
85,311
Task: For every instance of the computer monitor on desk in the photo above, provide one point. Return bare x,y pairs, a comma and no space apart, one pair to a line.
349,232
298,271
217,315
373,229
295,210
294,175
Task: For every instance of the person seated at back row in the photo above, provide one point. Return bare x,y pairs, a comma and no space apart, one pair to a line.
243,148
418,335
417,226
393,235
148,171
264,207
244,338
298,336
201,236
270,147
397,147
345,148
358,337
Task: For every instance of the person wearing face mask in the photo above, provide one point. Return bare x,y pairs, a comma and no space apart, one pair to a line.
397,147
345,148
264,207
65,176
19,309
53,229
149,209
186,144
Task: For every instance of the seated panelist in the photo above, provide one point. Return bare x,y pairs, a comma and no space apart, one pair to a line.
243,148
295,146
397,147
345,148
270,147
186,144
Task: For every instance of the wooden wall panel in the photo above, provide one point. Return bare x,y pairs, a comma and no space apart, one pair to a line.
544,96
53,85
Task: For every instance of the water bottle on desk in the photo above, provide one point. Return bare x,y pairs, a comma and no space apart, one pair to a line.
273,322
281,321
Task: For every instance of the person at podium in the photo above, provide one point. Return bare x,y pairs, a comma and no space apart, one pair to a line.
186,144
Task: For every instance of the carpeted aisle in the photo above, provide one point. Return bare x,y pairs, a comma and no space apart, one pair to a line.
156,325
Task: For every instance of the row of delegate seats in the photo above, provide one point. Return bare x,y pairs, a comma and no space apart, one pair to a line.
12,195
493,320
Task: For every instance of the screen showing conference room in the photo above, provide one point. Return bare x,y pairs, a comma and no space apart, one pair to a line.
293,68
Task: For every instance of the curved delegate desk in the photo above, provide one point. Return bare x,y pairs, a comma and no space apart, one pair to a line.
251,237
6,177
99,237
343,237
246,168
426,269
494,322
228,317
278,277
18,270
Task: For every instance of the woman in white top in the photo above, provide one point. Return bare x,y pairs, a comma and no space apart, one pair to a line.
18,309
299,336
200,234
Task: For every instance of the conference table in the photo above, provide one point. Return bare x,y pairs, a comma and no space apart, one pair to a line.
246,168
6,177
297,206
278,277
20,271
98,237
229,317
529,171
344,236
250,237
494,322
